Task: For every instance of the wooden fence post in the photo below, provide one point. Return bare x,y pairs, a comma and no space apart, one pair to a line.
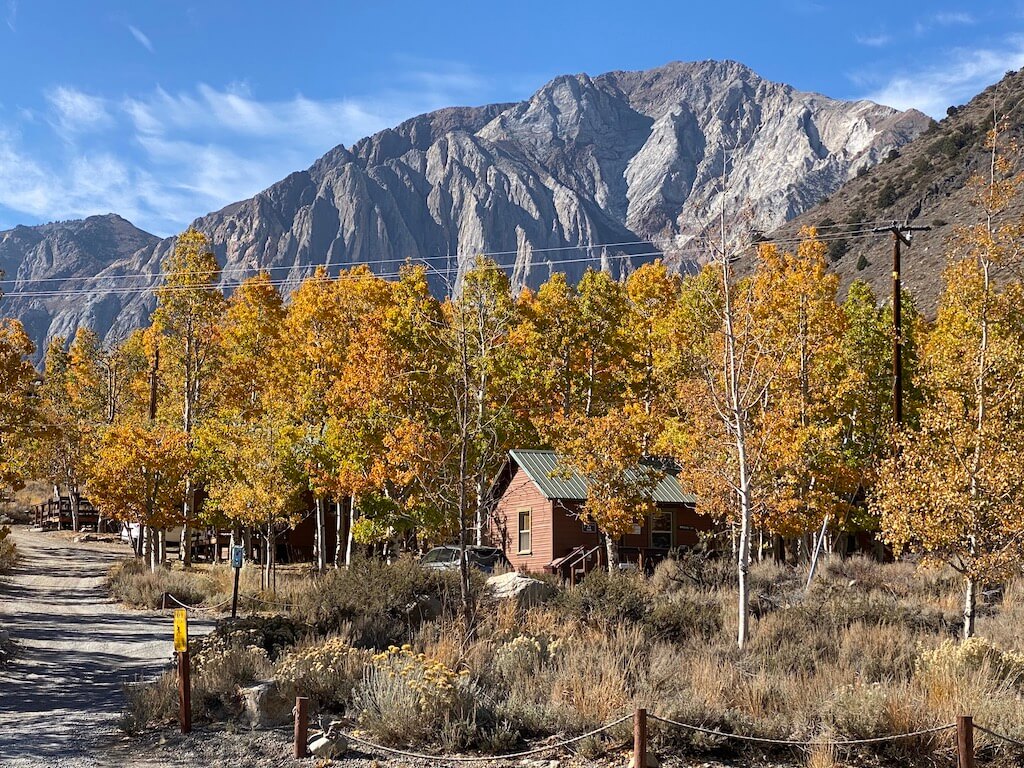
301,725
184,692
640,738
965,741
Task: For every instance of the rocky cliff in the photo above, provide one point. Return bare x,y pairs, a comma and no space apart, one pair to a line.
589,171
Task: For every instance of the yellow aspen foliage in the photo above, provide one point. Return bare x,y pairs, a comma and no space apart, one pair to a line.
608,452
18,411
138,474
954,490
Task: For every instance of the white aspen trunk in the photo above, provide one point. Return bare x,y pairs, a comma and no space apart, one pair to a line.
339,521
190,514
742,572
817,552
970,606
75,507
321,542
162,544
350,540
154,551
612,549
268,559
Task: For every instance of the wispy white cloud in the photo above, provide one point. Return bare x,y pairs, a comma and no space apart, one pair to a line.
873,41
11,17
962,75
141,37
953,18
77,111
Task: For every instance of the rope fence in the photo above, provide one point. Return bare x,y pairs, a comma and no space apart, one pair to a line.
169,598
1000,736
801,743
484,758
964,741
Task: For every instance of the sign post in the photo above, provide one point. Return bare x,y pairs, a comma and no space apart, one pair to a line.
184,668
237,556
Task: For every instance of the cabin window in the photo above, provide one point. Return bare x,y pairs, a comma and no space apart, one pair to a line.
525,532
661,530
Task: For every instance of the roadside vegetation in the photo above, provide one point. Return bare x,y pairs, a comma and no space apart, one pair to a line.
869,650
8,551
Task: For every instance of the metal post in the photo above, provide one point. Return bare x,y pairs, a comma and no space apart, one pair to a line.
184,692
640,738
301,725
965,741
234,595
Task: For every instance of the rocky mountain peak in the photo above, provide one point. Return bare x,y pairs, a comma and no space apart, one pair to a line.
632,159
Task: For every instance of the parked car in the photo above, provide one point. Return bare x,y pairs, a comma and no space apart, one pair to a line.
446,558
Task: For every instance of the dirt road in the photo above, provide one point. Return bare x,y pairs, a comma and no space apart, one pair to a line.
61,697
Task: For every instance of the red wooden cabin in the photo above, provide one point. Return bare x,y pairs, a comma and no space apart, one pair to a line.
536,519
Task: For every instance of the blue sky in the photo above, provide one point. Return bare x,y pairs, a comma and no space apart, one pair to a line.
163,111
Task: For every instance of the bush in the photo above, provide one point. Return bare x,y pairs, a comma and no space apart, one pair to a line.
221,664
608,599
150,703
683,617
407,698
8,552
380,604
326,672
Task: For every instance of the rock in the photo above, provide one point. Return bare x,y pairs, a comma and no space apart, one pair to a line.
328,746
527,591
652,761
264,705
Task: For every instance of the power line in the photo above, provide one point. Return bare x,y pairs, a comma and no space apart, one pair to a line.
824,234
594,257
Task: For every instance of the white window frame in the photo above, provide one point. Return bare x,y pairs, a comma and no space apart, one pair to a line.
528,531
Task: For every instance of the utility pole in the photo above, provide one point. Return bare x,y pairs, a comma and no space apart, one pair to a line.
153,371
901,235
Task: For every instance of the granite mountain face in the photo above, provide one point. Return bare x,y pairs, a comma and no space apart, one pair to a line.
590,171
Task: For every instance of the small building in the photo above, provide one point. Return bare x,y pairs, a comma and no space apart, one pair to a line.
536,519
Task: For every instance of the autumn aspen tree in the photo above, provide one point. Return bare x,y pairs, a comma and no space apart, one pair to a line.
189,305
954,489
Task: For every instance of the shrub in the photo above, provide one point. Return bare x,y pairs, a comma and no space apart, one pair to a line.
974,656
150,703
327,672
8,552
683,617
608,599
378,603
408,698
887,195
221,664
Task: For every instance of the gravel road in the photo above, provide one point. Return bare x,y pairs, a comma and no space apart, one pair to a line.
61,696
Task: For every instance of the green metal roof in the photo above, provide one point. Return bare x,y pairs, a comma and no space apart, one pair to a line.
555,483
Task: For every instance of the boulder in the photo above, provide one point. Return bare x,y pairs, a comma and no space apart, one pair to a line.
652,761
516,586
264,705
328,745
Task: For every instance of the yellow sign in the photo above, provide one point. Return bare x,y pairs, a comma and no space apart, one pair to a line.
180,630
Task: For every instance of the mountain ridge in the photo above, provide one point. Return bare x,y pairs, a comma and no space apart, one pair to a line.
622,157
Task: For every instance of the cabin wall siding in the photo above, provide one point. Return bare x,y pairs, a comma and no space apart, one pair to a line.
522,493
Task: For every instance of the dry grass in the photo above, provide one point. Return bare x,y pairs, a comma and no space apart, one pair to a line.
868,651
131,582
